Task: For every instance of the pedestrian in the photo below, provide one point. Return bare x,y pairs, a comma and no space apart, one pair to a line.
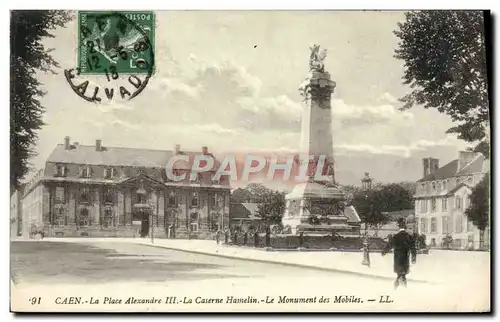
226,236
256,239
268,237
403,244
217,236
245,238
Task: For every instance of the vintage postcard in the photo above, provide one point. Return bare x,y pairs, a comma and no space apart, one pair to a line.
250,161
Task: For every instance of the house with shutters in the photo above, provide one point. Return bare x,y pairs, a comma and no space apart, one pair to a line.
442,196
100,191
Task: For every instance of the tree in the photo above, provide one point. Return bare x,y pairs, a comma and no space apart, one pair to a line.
372,205
272,208
28,55
369,207
444,58
478,211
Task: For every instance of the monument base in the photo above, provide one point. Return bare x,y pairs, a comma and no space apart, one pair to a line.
316,208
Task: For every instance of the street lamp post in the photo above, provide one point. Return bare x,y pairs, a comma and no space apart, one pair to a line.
366,183
152,225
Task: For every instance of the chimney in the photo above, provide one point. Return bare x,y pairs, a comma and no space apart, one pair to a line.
464,157
177,149
204,149
98,146
434,165
67,146
430,165
426,166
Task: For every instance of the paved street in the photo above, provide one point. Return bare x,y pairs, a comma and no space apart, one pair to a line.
123,269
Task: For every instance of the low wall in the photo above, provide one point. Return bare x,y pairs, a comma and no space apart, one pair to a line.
312,242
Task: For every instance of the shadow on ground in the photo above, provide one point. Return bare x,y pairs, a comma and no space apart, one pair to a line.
57,262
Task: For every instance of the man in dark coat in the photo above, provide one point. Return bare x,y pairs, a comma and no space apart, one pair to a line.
403,244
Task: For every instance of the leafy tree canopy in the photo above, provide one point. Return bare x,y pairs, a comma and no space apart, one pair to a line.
479,209
372,205
27,56
444,58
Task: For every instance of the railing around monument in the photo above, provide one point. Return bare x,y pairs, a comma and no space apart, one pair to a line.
313,242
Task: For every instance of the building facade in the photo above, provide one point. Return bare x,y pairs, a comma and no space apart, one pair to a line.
244,216
15,214
441,198
102,191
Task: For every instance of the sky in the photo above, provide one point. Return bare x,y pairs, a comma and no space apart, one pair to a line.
229,81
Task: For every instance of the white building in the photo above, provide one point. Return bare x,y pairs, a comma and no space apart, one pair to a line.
15,214
442,196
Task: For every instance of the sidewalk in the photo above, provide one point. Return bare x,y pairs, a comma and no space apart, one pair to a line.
437,267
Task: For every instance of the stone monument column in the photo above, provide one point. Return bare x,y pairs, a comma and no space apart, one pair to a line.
316,132
317,206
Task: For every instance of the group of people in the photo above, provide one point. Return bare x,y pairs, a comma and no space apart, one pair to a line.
402,243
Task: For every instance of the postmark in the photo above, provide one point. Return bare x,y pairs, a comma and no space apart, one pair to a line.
115,55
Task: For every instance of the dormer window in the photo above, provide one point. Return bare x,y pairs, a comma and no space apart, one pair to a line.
85,172
109,173
60,170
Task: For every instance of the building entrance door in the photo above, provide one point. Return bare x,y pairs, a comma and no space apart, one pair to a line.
144,224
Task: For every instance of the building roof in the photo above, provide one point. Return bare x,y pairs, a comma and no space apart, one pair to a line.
475,166
244,210
119,156
450,169
84,154
447,171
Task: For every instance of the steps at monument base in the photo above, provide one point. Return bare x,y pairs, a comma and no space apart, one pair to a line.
340,229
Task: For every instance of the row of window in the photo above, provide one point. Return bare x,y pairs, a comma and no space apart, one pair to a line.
111,173
446,225
437,186
109,219
84,172
141,197
461,203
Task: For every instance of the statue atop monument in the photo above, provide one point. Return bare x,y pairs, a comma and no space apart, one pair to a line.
316,59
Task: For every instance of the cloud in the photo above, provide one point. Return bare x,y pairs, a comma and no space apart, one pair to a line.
357,115
386,97
171,85
399,150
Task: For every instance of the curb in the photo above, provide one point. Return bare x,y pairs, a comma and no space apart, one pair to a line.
324,269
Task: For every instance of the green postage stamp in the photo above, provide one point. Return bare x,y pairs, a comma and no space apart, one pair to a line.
112,43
